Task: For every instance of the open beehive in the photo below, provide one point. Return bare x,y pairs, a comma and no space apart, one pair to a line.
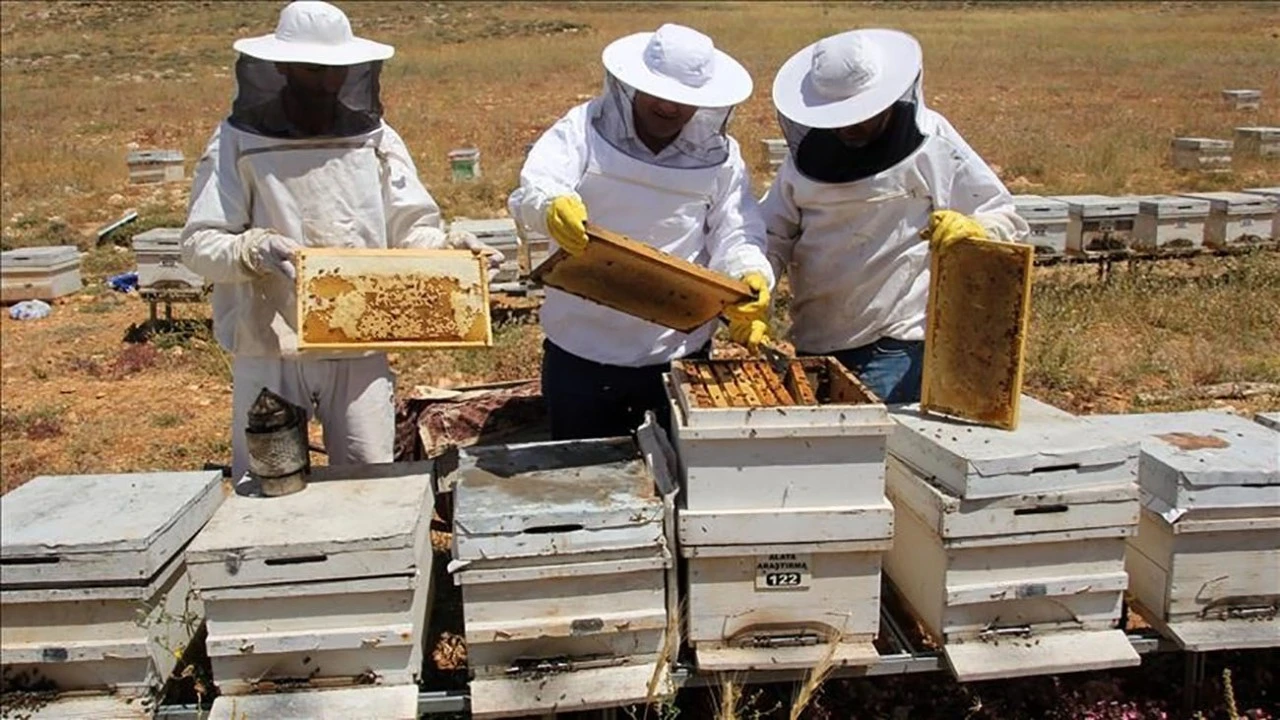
642,281
979,306
784,519
369,299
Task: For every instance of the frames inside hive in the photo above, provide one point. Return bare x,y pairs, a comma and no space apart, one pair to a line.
754,383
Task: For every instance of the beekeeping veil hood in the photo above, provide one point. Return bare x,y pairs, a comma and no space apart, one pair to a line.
309,33
680,65
847,79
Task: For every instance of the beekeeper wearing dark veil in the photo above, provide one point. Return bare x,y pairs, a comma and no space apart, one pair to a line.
650,157
305,160
873,180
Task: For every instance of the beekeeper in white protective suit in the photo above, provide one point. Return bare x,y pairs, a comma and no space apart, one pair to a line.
650,158
872,181
305,160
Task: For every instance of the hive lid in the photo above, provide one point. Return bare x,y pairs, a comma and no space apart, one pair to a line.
634,278
1236,202
99,529
1172,206
1051,450
166,239
1100,205
1201,143
1039,206
530,492
485,228
1271,192
40,257
1198,450
349,521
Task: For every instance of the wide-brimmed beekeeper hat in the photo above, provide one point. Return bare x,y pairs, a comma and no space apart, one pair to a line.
678,64
847,78
316,33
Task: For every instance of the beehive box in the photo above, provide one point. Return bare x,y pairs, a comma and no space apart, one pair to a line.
501,235
775,150
1029,583
1243,99
1205,564
1259,141
1051,451
818,449
81,556
328,585
384,703
1169,222
564,552
159,256
1274,194
1098,225
155,166
365,299
1047,219
39,273
1201,154
1237,218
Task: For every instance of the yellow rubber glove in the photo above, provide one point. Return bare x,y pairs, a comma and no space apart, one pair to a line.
567,223
947,226
747,325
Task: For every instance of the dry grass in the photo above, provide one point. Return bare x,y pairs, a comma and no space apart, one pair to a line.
1062,98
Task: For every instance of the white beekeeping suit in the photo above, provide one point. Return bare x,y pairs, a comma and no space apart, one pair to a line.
859,269
692,199
268,184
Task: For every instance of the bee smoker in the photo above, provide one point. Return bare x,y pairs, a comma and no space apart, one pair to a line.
276,435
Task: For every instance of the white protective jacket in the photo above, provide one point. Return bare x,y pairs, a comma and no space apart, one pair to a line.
359,191
704,215
859,269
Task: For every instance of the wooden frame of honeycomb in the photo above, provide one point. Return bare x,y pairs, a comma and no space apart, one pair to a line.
742,383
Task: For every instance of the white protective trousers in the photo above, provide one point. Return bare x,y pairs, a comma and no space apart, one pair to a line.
704,215
859,269
352,398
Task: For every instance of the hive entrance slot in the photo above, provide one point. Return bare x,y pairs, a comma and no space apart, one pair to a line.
553,529
54,560
299,560
1041,510
1056,468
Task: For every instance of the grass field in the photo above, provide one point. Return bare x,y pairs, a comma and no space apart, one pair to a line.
1059,98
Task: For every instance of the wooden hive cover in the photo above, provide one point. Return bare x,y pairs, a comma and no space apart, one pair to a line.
369,299
101,529
1202,459
1050,451
349,522
642,281
979,304
554,498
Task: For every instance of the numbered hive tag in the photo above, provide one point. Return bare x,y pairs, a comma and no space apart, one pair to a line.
782,572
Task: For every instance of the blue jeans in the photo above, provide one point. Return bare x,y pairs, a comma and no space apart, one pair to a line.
891,368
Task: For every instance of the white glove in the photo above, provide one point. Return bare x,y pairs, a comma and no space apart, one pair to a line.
463,240
268,252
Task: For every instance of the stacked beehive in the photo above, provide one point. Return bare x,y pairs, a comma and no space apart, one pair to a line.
1169,222
1202,154
1274,194
39,273
326,587
159,255
1243,99
1009,546
775,151
1098,225
784,519
1237,218
564,552
1260,141
155,166
1047,219
1205,564
93,589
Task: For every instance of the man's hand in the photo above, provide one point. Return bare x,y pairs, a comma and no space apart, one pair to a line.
463,240
948,226
272,253
747,320
567,223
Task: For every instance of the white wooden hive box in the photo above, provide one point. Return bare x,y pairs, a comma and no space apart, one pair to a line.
1050,451
794,472
159,256
1274,194
41,273
1206,560
1170,222
563,552
329,582
1263,141
1016,577
80,555
1047,219
1237,218
1098,224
